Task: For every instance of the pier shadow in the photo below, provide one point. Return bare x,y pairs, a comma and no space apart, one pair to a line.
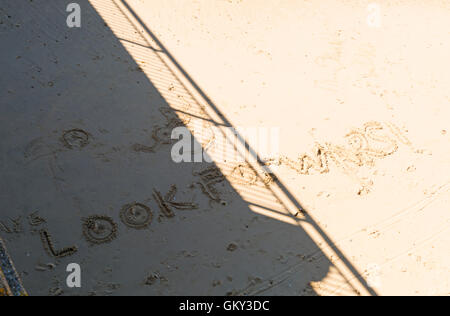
87,115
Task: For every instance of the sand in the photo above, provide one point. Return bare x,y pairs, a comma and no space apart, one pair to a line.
357,204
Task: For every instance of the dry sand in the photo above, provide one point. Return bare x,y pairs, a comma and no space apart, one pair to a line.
79,108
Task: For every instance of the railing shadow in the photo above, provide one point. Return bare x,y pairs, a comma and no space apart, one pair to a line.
112,80
258,159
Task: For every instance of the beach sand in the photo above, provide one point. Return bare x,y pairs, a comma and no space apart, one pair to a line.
358,200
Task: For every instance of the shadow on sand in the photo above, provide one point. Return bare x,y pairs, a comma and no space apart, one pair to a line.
86,121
